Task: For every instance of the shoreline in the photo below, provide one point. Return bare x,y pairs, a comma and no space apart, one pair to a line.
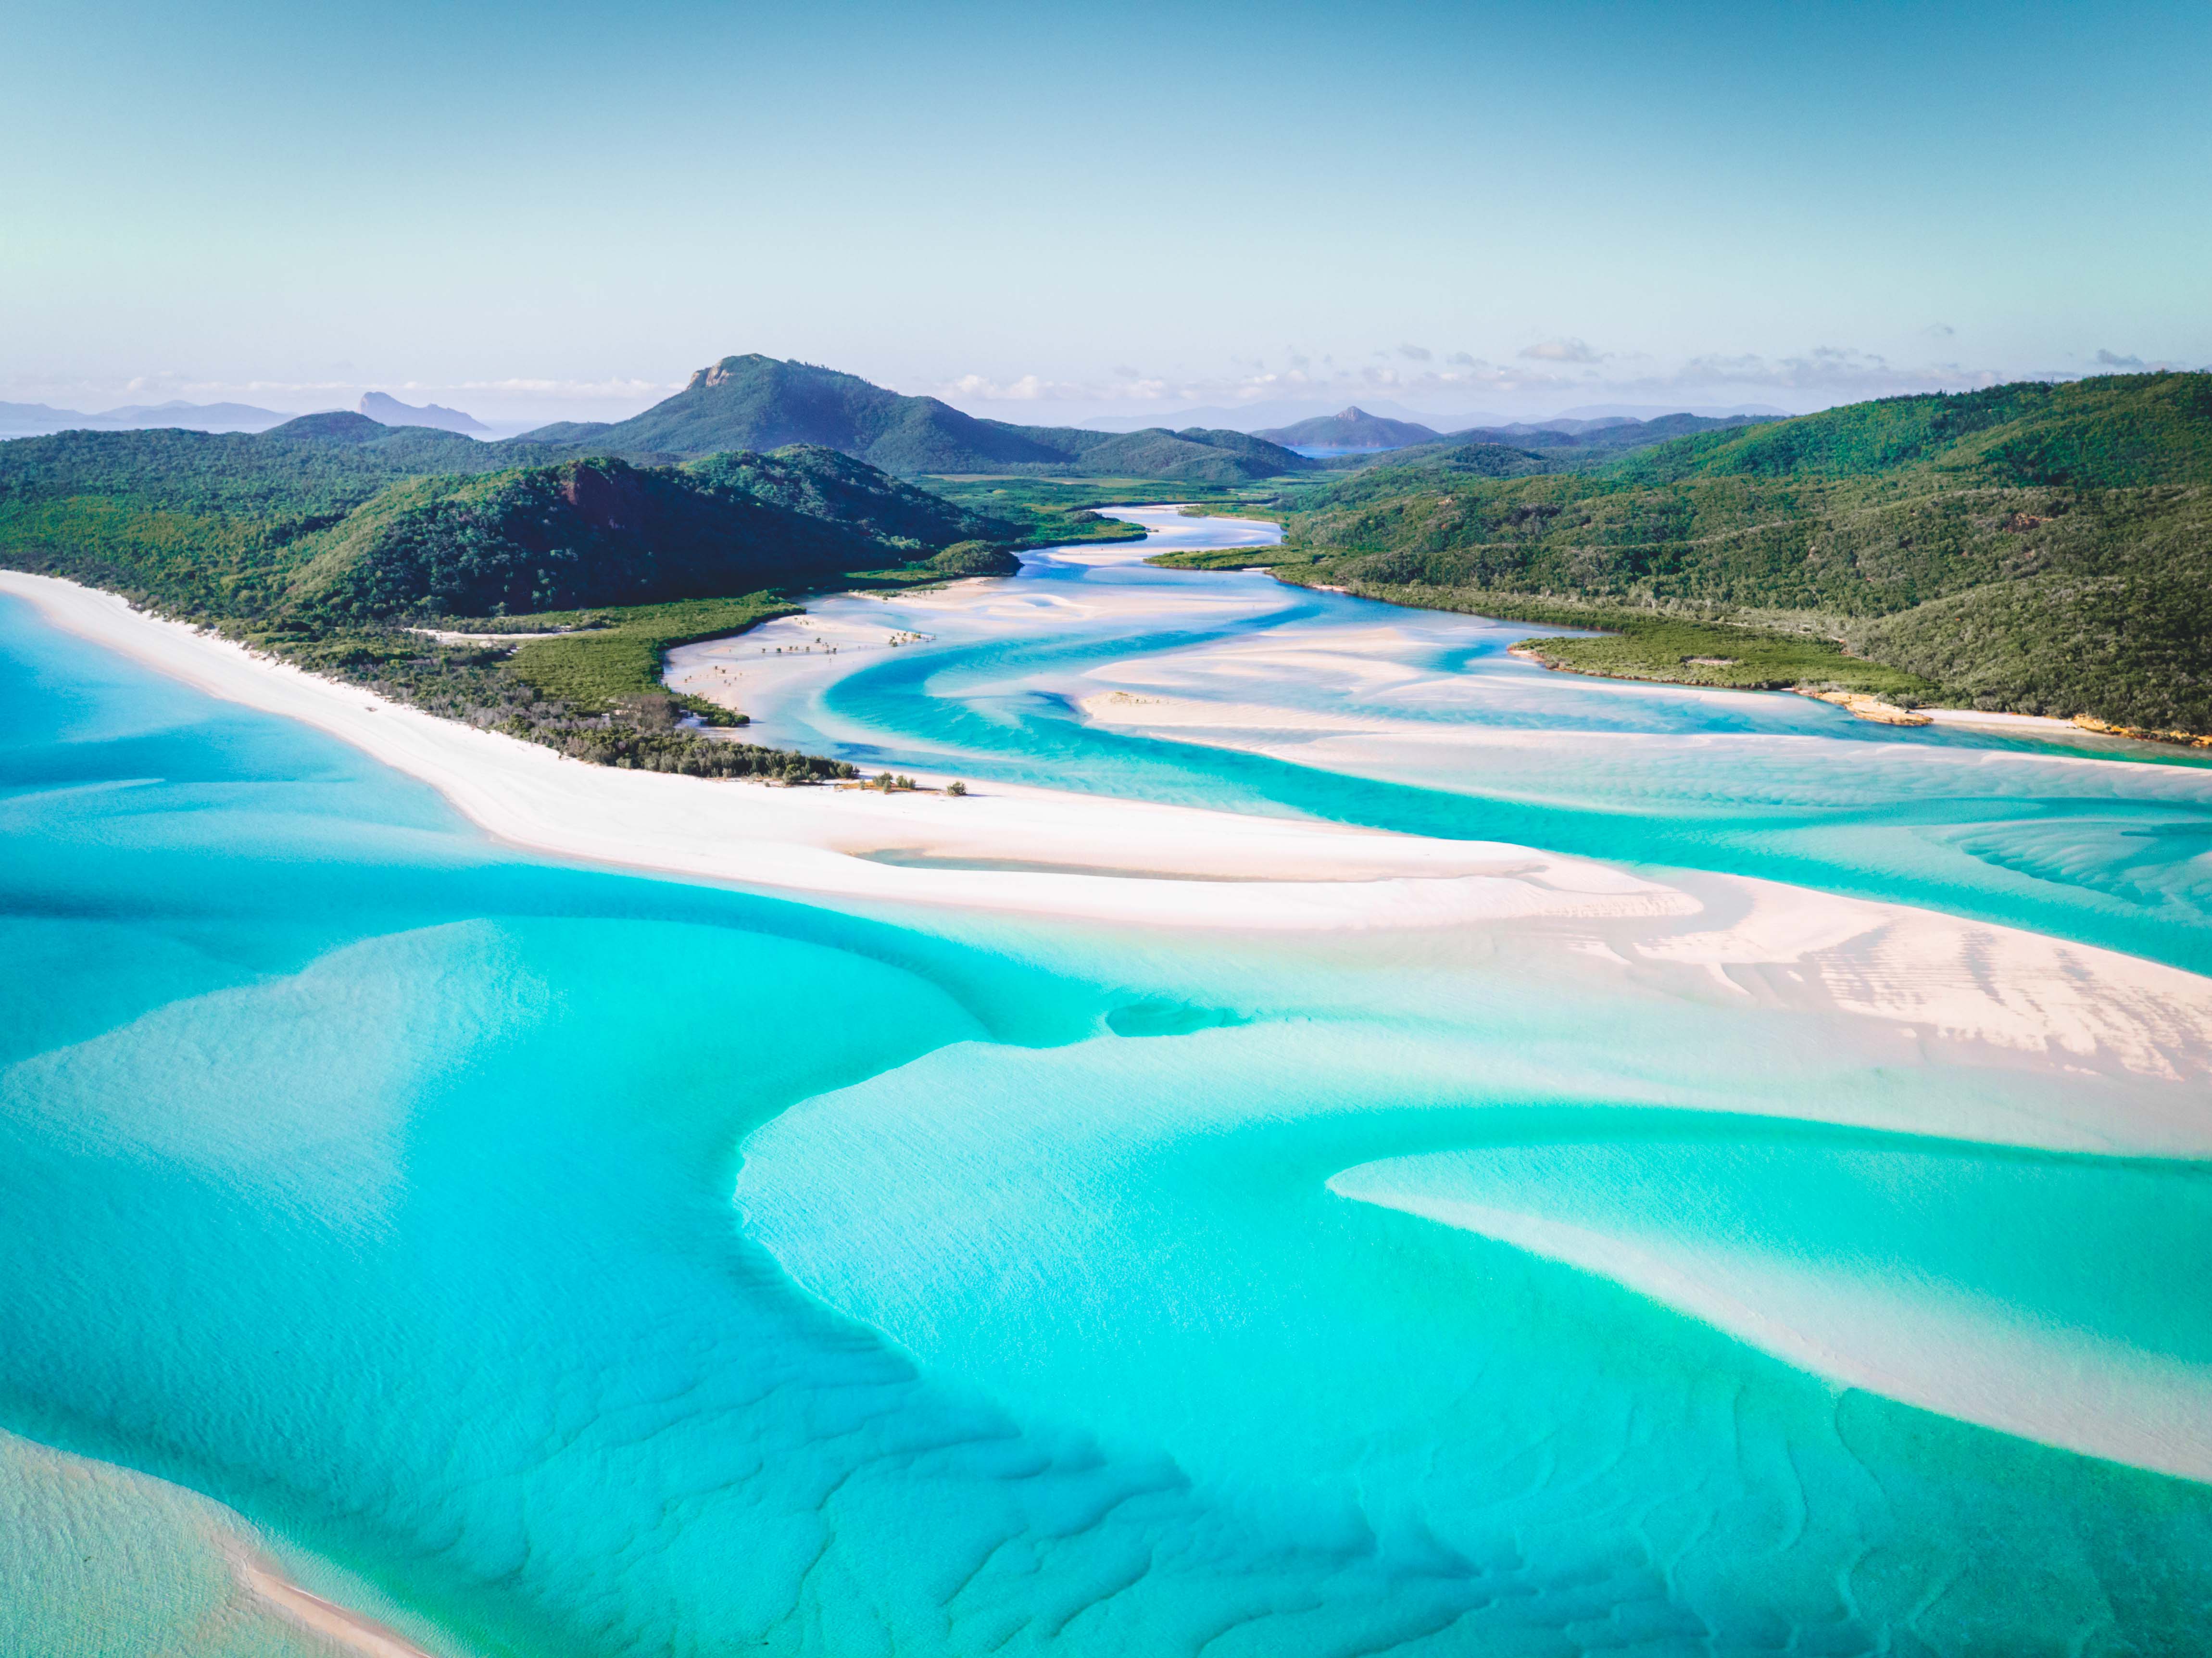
2012,994
262,1579
1177,866
1859,704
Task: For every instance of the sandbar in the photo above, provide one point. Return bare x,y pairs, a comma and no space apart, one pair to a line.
1286,873
2010,995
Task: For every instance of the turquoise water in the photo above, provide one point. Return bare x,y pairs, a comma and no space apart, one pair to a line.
587,1264
2021,830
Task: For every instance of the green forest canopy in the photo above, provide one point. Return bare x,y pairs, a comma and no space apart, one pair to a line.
2038,548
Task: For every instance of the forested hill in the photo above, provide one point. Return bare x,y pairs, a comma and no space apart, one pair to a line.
341,544
335,514
1562,445
761,403
2037,548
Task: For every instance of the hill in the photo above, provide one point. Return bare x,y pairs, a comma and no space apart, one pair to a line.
37,420
1196,454
376,519
1582,442
577,533
2037,548
390,411
332,539
761,403
1350,428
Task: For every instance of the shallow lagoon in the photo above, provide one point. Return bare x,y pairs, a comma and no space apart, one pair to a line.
1419,721
560,1261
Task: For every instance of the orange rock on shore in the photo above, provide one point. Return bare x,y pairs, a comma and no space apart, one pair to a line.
1863,707
2089,722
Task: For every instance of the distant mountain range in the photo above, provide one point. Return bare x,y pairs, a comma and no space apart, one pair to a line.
1262,416
763,403
31,420
388,411
1658,410
1355,432
1351,429
1267,419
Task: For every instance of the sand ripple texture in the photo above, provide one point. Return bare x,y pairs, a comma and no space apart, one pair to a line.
1609,1196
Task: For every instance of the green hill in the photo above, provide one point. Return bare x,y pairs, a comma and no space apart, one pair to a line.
331,540
372,520
760,402
1195,454
2038,548
583,532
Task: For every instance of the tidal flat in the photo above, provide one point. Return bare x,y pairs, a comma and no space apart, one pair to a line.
1417,1153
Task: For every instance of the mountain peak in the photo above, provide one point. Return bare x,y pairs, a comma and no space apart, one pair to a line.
1353,429
730,368
388,411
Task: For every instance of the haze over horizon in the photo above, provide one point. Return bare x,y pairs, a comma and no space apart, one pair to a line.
550,215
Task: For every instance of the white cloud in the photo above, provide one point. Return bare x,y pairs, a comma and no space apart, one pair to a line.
1561,351
1838,374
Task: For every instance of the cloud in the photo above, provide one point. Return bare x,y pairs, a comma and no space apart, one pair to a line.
2114,360
1939,331
1029,388
322,393
1539,381
1415,353
1562,350
1840,374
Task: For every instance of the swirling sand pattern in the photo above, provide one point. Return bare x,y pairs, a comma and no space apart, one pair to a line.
1089,1288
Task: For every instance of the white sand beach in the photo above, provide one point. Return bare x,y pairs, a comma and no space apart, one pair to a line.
1086,856
2012,996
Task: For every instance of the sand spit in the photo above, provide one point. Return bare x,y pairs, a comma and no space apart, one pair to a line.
1216,869
2074,1005
1948,1353
1860,706
2017,997
261,1578
1133,710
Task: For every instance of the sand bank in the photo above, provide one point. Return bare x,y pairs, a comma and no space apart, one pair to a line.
170,1571
1209,869
260,1577
1011,850
1936,1348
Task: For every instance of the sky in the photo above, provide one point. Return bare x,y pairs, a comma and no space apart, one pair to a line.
1041,212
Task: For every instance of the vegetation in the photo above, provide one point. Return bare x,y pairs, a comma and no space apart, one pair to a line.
1587,443
1679,650
2041,549
326,542
477,685
612,661
1234,558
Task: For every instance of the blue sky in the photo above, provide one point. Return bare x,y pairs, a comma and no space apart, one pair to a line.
1036,211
